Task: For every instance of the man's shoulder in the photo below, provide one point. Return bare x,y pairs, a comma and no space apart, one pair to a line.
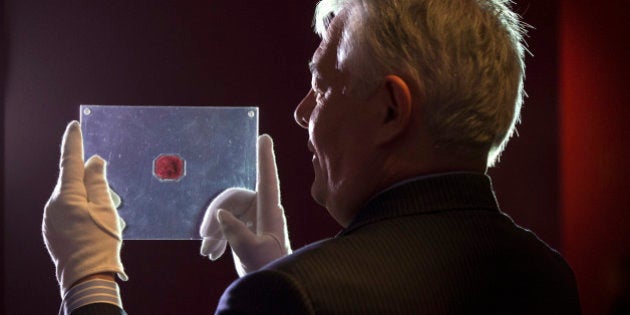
282,287
470,256
266,291
316,255
482,241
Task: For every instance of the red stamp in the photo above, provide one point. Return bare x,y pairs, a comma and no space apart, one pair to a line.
169,167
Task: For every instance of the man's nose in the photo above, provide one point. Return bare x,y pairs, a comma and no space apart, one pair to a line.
303,111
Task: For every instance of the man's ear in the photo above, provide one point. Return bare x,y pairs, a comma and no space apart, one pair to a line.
398,107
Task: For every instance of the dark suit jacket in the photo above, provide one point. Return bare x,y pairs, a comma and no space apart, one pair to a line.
438,245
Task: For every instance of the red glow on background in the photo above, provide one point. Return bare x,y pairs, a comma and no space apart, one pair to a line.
595,150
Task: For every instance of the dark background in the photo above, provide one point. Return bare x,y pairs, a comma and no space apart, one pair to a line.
562,176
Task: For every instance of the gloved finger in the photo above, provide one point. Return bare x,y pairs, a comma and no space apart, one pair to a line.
237,200
240,237
115,198
268,184
102,209
123,224
95,182
71,161
212,247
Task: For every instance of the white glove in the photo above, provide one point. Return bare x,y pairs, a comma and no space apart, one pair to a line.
252,222
81,227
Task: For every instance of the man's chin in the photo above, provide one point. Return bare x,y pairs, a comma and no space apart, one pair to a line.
318,195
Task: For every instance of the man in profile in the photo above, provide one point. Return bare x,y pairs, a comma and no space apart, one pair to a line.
410,102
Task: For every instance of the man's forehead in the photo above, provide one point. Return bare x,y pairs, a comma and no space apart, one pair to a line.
327,50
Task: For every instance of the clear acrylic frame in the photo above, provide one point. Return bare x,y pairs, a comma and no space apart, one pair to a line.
216,145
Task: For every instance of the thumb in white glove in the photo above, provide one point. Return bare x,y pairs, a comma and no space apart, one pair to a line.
252,222
81,227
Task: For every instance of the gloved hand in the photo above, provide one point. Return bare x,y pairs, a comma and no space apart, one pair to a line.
252,222
81,227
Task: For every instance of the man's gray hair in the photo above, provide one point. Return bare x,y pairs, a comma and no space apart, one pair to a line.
464,56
